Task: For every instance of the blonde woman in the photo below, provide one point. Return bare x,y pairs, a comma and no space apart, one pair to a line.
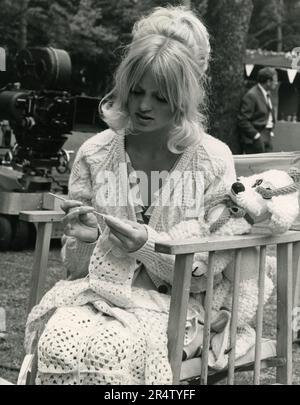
152,169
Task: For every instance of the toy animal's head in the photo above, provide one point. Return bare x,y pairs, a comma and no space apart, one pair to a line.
271,195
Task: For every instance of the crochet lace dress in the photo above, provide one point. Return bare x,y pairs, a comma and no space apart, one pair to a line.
100,328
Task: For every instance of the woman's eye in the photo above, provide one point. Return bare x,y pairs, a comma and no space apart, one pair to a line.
161,99
134,91
257,183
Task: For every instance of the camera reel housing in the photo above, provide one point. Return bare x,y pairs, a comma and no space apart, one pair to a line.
40,109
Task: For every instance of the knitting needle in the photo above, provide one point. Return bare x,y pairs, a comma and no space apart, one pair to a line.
97,213
64,199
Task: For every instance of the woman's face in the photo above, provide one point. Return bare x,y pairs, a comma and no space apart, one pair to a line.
148,110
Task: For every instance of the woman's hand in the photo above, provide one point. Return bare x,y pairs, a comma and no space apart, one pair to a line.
79,222
126,235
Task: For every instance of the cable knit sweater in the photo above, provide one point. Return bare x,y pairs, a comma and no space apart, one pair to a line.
206,169
209,168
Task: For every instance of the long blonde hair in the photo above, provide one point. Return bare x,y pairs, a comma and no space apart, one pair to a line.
179,73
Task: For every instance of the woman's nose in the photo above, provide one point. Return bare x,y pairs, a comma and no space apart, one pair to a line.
145,104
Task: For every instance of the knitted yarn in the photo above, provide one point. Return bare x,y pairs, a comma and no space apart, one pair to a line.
268,193
294,172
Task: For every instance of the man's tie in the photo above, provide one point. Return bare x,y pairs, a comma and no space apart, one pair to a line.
271,111
269,102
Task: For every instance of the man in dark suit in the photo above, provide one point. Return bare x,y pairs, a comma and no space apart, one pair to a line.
256,118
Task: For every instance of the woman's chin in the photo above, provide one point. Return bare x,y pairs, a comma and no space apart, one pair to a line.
142,126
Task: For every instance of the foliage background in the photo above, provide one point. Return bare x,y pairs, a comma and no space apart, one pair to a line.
95,32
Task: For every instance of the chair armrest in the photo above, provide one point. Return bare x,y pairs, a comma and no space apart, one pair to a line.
215,243
41,216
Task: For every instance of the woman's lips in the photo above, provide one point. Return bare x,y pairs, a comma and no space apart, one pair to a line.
143,117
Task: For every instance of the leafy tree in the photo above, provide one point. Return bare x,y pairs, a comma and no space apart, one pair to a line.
10,13
275,25
91,45
99,30
9,23
291,26
92,31
95,31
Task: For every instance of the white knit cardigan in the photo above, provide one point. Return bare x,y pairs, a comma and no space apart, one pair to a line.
109,280
210,161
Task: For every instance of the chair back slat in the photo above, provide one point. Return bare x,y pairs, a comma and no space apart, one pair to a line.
296,274
284,311
178,312
259,316
234,315
207,319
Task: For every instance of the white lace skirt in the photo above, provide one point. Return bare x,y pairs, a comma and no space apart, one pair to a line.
80,345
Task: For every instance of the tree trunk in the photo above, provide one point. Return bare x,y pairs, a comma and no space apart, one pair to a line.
23,24
280,10
228,24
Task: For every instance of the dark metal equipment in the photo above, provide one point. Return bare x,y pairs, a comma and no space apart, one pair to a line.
37,113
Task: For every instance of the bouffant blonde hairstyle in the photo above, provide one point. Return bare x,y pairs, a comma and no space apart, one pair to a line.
172,44
179,23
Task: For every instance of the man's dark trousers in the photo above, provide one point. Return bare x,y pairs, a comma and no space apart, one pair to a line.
261,145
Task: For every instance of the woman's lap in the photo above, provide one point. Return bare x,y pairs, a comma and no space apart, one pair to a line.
79,339
82,346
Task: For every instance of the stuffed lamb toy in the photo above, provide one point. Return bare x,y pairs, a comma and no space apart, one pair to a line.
271,198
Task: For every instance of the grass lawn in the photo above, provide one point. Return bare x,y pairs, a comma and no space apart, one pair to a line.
15,274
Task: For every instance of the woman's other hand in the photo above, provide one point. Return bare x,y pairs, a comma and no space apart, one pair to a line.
79,221
127,235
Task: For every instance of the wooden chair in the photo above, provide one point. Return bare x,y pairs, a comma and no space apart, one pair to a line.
288,248
265,353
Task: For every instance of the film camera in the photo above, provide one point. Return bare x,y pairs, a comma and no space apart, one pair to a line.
40,111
